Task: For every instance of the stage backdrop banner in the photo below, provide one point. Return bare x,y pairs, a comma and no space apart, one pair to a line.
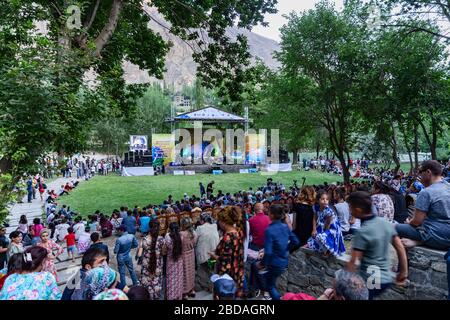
163,149
256,150
138,143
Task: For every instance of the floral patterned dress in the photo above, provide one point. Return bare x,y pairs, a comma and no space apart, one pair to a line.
230,252
384,206
53,249
174,273
30,286
327,240
153,282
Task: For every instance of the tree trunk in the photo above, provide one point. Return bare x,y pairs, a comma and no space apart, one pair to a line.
317,149
394,152
416,147
110,26
295,157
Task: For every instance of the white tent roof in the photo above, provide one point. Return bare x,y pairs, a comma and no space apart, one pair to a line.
209,114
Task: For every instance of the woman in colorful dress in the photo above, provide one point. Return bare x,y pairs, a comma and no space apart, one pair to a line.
188,239
174,269
229,253
382,201
152,261
53,251
31,282
326,235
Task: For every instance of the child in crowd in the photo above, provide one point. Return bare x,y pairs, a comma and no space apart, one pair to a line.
84,240
70,240
371,247
326,235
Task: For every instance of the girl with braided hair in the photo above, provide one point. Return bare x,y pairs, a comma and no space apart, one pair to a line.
229,253
152,261
188,239
174,269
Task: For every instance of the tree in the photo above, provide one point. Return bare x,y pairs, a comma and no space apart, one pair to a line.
329,48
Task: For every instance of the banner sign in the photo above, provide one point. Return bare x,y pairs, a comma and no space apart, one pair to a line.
216,172
163,149
178,173
189,173
243,170
138,143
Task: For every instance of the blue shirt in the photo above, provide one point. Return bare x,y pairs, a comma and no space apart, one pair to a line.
130,223
145,224
124,244
278,241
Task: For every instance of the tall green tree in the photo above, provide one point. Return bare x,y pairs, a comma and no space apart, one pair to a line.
329,48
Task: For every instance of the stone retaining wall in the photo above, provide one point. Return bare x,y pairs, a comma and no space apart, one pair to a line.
312,273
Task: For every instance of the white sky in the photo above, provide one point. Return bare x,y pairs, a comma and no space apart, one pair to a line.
276,21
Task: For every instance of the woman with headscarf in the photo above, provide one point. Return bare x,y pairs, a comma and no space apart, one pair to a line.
53,251
229,253
98,280
152,261
174,269
188,239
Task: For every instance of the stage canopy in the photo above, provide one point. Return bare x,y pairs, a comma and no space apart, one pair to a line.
208,114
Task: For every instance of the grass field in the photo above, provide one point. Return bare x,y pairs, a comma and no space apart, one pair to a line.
106,193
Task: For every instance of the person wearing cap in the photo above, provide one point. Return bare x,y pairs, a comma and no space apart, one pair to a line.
224,287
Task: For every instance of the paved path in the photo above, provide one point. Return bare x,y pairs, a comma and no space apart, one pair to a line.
35,208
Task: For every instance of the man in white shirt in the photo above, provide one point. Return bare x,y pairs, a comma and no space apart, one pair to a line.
61,230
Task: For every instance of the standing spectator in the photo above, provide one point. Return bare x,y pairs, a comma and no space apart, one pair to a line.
229,253
70,241
279,240
53,251
152,261
371,245
258,225
174,268
30,189
202,189
430,224
188,240
207,239
209,189
4,243
122,249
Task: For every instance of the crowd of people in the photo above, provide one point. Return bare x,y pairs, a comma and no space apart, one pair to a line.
243,240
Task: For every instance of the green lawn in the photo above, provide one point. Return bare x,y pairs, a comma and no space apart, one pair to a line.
106,193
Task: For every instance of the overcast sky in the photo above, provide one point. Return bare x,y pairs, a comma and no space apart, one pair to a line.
276,21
